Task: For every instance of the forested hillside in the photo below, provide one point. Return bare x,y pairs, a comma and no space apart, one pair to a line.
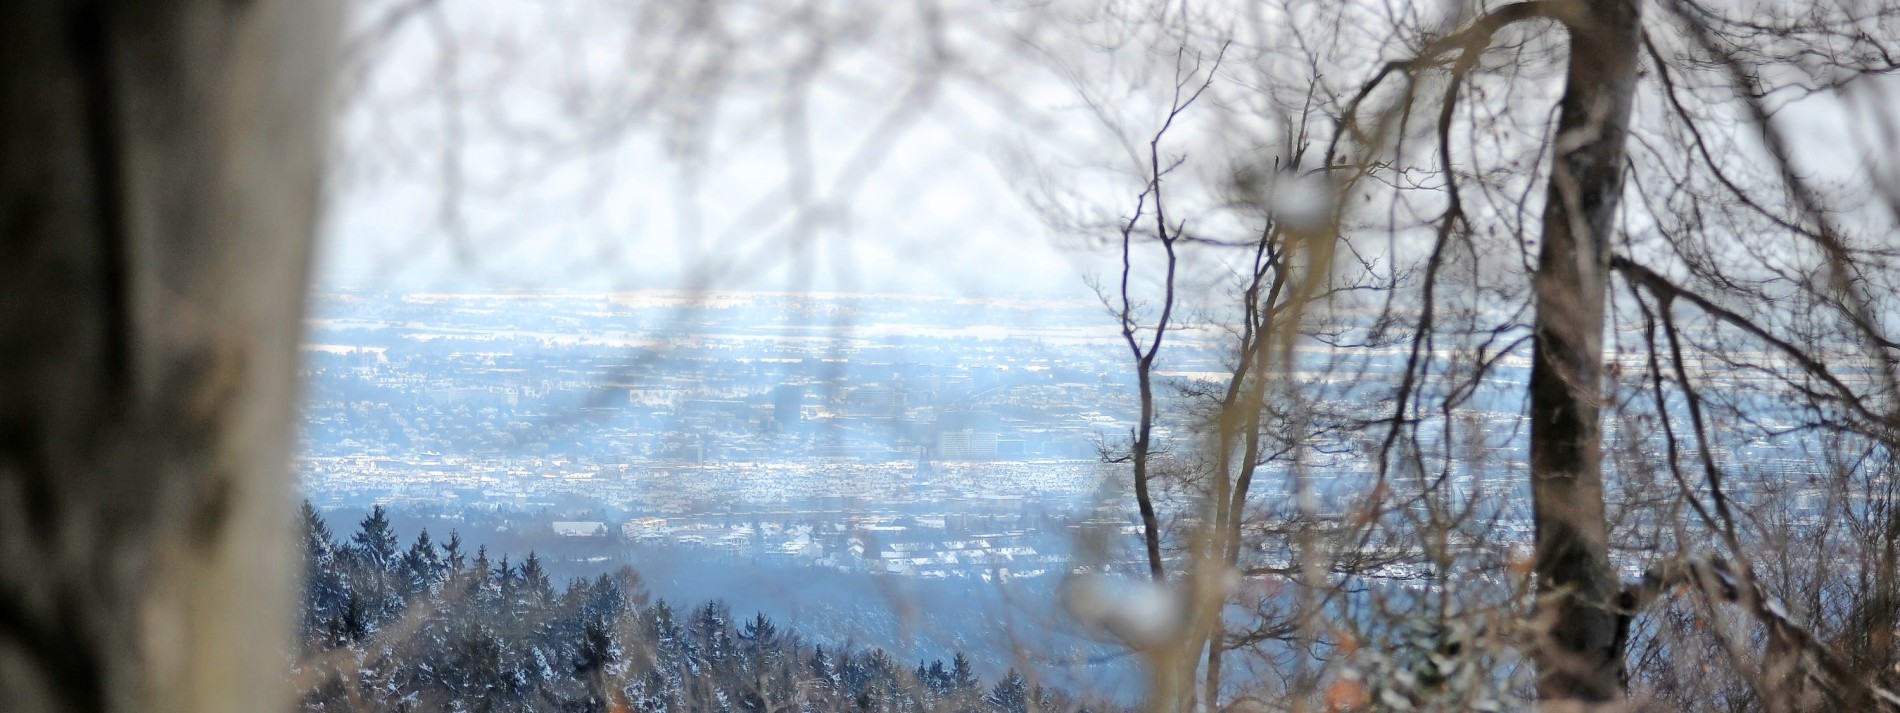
434,627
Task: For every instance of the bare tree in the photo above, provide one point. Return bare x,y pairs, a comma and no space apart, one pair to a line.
1585,624
1269,225
160,169
1502,149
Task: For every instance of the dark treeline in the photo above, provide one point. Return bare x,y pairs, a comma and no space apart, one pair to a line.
432,627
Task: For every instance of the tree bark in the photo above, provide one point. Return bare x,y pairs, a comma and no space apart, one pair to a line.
1581,656
158,171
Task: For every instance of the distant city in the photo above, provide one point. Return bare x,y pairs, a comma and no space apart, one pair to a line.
917,436
903,435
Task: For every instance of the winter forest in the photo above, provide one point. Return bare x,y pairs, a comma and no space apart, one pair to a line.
432,627
1168,355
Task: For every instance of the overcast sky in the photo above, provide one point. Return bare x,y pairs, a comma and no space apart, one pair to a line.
904,190
539,146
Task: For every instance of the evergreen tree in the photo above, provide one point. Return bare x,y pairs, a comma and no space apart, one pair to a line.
499,594
936,678
375,542
1010,695
324,592
966,690
319,544
962,676
761,638
820,667
595,652
453,559
373,577
479,570
422,568
536,588
481,559
710,630
352,621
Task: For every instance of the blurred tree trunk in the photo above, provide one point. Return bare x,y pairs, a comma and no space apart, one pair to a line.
1581,659
159,165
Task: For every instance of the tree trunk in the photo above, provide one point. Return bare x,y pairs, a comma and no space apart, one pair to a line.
158,171
1581,657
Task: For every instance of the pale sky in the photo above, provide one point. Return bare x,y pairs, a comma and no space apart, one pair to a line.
901,194
938,207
